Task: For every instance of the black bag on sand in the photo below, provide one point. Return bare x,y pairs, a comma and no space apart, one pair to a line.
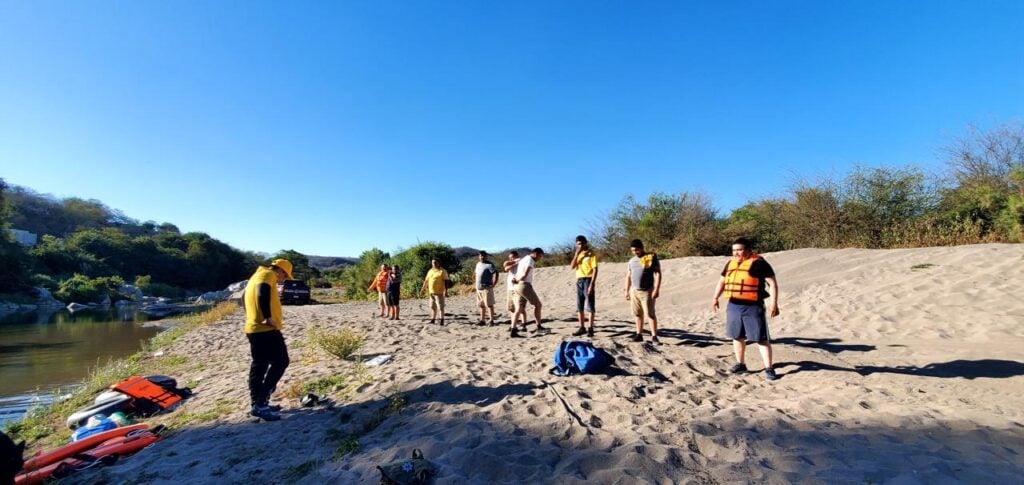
416,471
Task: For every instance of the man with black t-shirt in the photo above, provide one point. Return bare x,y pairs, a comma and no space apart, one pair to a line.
749,283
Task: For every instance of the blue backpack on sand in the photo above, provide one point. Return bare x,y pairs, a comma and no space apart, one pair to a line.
579,357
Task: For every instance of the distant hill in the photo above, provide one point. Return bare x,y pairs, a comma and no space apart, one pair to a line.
324,263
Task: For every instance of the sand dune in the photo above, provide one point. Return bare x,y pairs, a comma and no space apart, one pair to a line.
897,366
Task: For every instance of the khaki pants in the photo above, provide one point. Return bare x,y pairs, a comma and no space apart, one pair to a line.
485,298
437,303
642,304
526,294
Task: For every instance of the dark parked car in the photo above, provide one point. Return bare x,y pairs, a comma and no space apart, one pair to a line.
294,292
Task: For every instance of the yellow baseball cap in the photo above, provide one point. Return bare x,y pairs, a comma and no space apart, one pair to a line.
285,265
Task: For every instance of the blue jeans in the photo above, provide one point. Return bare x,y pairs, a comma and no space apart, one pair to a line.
582,296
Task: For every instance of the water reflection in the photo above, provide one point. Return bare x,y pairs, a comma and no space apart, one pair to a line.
40,353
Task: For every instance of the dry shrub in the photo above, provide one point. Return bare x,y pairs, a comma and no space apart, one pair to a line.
341,343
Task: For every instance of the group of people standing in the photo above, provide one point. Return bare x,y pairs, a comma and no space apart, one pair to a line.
747,280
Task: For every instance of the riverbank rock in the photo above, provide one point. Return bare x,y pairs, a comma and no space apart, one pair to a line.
46,302
213,297
238,286
131,292
162,310
77,307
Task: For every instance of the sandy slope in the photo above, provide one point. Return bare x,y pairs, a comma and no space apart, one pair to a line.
889,374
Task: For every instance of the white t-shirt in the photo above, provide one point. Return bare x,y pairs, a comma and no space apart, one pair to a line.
524,264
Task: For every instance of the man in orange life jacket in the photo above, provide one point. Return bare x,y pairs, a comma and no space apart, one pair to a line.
749,283
263,325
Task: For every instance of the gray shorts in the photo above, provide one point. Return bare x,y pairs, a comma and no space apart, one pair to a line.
746,322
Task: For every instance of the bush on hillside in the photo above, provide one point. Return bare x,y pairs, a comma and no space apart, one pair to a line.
82,289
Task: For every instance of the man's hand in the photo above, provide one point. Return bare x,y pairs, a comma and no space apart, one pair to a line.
590,289
627,295
654,296
515,281
268,321
773,310
714,305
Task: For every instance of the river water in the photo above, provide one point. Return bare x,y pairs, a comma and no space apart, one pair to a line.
41,354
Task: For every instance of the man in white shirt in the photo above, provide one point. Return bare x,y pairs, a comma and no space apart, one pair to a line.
524,291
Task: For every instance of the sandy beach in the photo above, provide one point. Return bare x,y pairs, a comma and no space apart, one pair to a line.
897,366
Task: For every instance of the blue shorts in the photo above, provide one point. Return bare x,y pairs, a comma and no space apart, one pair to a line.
746,322
582,297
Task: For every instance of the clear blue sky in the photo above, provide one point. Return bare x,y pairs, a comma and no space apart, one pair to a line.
333,127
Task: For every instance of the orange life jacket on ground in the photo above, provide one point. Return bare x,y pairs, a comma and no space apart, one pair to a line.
739,284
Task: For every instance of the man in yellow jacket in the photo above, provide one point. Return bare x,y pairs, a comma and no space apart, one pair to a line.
263,325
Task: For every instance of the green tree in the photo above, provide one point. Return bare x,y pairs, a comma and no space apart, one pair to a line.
301,269
415,262
356,278
14,274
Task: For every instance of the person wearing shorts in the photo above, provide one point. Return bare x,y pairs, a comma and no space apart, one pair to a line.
394,292
509,266
643,282
584,261
485,276
379,284
525,292
436,286
749,283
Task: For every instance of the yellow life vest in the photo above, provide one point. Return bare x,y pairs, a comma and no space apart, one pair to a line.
739,284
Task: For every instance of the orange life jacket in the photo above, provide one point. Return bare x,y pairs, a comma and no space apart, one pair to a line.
739,284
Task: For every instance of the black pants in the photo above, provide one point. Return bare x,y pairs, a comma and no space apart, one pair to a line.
269,360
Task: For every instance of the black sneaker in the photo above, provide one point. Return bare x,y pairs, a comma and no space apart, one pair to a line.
655,339
273,407
737,368
513,333
539,329
590,332
579,331
442,322
637,337
770,374
481,323
264,413
431,321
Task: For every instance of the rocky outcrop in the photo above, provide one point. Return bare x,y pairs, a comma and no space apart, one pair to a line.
46,302
131,292
162,310
238,286
213,297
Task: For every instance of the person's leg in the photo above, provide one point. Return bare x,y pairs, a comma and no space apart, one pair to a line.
279,361
638,313
397,310
591,308
433,308
258,367
581,297
765,349
653,315
739,349
381,301
440,307
536,315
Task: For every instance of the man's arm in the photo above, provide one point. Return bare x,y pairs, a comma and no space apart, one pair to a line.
575,259
718,293
263,300
518,278
772,287
629,282
657,283
508,265
593,282
494,278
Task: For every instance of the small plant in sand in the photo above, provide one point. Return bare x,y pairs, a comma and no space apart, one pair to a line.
341,343
921,266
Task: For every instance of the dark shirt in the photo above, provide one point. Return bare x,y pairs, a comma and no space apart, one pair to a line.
760,270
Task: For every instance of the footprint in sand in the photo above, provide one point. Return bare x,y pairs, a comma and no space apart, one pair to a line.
596,422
